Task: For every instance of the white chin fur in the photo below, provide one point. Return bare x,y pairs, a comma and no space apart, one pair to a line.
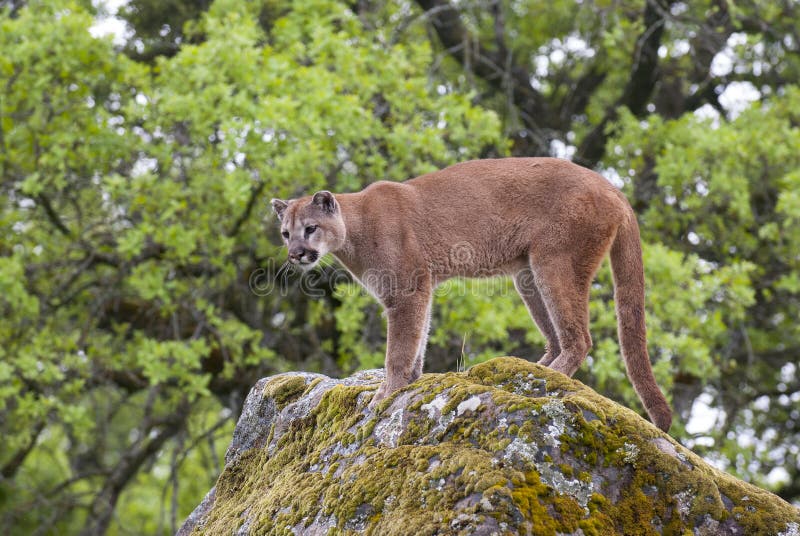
306,266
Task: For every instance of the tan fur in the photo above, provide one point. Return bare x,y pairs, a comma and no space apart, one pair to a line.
548,223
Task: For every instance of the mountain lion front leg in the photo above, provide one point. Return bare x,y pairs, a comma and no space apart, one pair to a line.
405,322
526,288
419,361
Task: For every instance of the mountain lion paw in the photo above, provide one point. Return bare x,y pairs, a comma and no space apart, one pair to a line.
382,393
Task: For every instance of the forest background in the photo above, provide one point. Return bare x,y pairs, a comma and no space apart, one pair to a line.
138,257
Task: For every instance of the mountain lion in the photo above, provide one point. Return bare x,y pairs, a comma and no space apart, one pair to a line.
547,223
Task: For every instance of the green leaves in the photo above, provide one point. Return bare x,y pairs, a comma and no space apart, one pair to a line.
15,300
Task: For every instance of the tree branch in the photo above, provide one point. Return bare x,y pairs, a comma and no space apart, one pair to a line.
12,466
489,65
53,216
642,81
575,102
243,217
102,507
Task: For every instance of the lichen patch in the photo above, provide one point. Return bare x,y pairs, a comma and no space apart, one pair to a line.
435,406
792,529
388,431
470,404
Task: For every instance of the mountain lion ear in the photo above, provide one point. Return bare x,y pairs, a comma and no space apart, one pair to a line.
279,206
325,200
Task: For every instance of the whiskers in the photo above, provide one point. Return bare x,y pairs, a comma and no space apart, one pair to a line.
316,281
283,273
288,269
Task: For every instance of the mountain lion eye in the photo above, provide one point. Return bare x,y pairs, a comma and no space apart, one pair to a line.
310,229
285,234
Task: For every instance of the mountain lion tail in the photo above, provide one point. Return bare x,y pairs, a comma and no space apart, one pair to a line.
626,265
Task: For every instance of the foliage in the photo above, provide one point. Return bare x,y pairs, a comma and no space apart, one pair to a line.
132,204
139,283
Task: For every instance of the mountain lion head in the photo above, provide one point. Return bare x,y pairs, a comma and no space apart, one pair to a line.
310,226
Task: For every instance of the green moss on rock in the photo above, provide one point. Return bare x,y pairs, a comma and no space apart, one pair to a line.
284,389
507,447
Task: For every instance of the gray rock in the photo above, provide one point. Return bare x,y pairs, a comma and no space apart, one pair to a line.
507,447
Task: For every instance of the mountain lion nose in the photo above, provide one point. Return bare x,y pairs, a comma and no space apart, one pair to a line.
295,255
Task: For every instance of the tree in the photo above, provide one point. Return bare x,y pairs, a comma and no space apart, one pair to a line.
561,72
133,199
138,286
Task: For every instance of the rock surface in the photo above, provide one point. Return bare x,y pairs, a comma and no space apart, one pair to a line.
507,447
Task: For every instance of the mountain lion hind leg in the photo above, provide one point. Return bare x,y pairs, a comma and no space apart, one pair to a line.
526,288
565,293
563,269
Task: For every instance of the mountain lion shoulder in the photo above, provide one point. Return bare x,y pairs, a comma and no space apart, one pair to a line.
547,223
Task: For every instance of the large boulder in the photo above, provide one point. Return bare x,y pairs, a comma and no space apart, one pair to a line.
507,447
